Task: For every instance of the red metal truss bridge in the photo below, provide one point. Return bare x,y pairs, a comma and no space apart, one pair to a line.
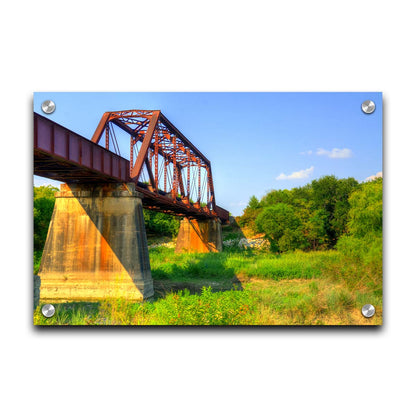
171,173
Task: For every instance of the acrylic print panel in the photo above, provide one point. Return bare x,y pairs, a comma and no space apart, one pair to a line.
208,209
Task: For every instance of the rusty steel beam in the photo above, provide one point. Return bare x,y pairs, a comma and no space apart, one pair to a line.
145,146
149,170
100,128
168,124
180,179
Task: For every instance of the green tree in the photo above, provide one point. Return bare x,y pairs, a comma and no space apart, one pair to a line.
331,195
281,226
315,231
342,205
160,223
276,197
366,213
364,240
253,203
43,203
302,193
250,213
321,207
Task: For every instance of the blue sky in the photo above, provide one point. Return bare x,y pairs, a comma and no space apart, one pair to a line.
255,141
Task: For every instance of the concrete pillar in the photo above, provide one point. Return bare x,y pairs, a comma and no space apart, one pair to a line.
199,236
96,247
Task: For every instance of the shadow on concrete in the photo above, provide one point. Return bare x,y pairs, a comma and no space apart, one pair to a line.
123,229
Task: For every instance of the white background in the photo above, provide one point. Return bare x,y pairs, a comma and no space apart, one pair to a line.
207,46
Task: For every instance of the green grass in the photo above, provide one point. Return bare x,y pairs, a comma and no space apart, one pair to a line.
316,288
263,302
207,308
222,266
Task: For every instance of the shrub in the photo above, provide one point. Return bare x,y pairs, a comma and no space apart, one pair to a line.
160,223
363,245
208,308
281,226
366,213
43,203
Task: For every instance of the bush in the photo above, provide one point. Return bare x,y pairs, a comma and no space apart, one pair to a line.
363,245
43,203
281,226
208,308
366,213
160,223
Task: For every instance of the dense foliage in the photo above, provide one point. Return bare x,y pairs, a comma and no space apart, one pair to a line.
282,225
363,241
160,223
316,215
43,203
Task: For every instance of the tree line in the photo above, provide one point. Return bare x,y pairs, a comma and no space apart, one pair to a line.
324,214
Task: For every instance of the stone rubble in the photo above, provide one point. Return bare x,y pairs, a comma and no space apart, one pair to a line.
244,243
171,244
241,243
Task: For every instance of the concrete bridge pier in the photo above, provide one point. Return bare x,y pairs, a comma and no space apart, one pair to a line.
96,248
199,236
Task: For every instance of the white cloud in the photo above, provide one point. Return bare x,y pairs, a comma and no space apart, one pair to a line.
308,152
301,174
335,153
372,177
